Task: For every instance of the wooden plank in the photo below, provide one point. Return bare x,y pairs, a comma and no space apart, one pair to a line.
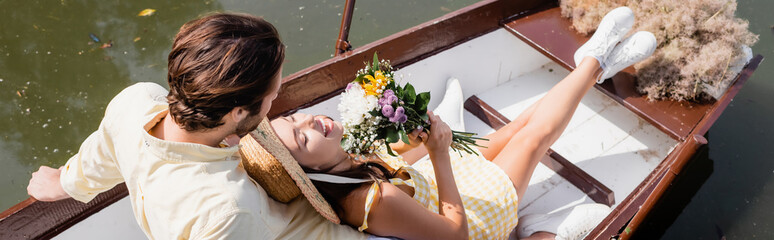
579,178
32,219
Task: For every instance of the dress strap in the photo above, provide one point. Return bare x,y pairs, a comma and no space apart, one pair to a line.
368,204
398,181
330,178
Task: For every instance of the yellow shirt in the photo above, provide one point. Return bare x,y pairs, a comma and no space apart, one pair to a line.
183,190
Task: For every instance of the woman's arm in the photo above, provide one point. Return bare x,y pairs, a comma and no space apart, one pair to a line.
449,201
414,155
394,213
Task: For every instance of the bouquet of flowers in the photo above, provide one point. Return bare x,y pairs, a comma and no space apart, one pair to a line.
375,110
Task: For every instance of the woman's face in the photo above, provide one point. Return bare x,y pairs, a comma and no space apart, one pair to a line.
314,141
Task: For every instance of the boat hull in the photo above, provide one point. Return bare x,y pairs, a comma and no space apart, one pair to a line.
495,48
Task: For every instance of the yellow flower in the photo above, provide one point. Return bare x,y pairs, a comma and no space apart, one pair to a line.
375,83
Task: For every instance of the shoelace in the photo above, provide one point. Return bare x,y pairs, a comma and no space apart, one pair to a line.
627,54
617,59
607,36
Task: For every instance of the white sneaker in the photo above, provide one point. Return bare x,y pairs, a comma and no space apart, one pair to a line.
571,223
450,108
610,31
632,50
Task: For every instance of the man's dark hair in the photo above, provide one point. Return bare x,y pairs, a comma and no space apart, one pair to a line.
220,62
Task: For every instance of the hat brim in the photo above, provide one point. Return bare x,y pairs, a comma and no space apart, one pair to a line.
279,159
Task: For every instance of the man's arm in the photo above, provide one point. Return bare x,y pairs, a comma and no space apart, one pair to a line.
89,172
93,169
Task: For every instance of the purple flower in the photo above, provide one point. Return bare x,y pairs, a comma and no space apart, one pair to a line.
350,85
392,99
388,92
388,111
403,119
399,116
388,97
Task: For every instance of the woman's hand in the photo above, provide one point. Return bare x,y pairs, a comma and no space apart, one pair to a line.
440,136
416,138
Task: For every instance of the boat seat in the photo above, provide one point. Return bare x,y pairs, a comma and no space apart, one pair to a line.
569,171
552,35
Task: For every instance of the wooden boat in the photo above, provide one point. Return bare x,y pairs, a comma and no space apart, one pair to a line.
620,149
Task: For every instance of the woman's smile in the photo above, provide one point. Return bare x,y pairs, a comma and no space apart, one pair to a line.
325,128
326,124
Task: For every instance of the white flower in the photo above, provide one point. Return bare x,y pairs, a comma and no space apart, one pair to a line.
352,107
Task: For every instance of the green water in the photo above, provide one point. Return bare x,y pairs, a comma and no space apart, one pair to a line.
55,82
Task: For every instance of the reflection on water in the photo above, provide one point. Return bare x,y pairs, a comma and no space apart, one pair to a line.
55,81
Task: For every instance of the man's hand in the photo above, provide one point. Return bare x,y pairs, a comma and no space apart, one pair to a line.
45,186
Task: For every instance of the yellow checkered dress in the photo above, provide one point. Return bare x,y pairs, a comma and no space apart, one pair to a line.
488,195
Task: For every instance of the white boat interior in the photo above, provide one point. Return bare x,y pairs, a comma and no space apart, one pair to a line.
604,138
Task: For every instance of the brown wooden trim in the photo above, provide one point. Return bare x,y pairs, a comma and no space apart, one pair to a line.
485,112
589,185
663,184
322,81
614,223
579,178
17,207
32,219
680,160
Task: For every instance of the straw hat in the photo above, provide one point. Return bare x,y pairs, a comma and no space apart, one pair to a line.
269,162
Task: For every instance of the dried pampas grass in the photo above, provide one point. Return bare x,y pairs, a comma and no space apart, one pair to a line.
702,45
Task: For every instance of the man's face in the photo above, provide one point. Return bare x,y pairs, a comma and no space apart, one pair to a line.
251,122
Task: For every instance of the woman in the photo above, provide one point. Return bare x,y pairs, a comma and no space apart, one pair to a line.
459,195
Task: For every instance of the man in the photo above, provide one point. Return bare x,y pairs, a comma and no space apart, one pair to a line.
184,180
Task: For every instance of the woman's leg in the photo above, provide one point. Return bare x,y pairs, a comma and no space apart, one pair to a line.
498,139
536,132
